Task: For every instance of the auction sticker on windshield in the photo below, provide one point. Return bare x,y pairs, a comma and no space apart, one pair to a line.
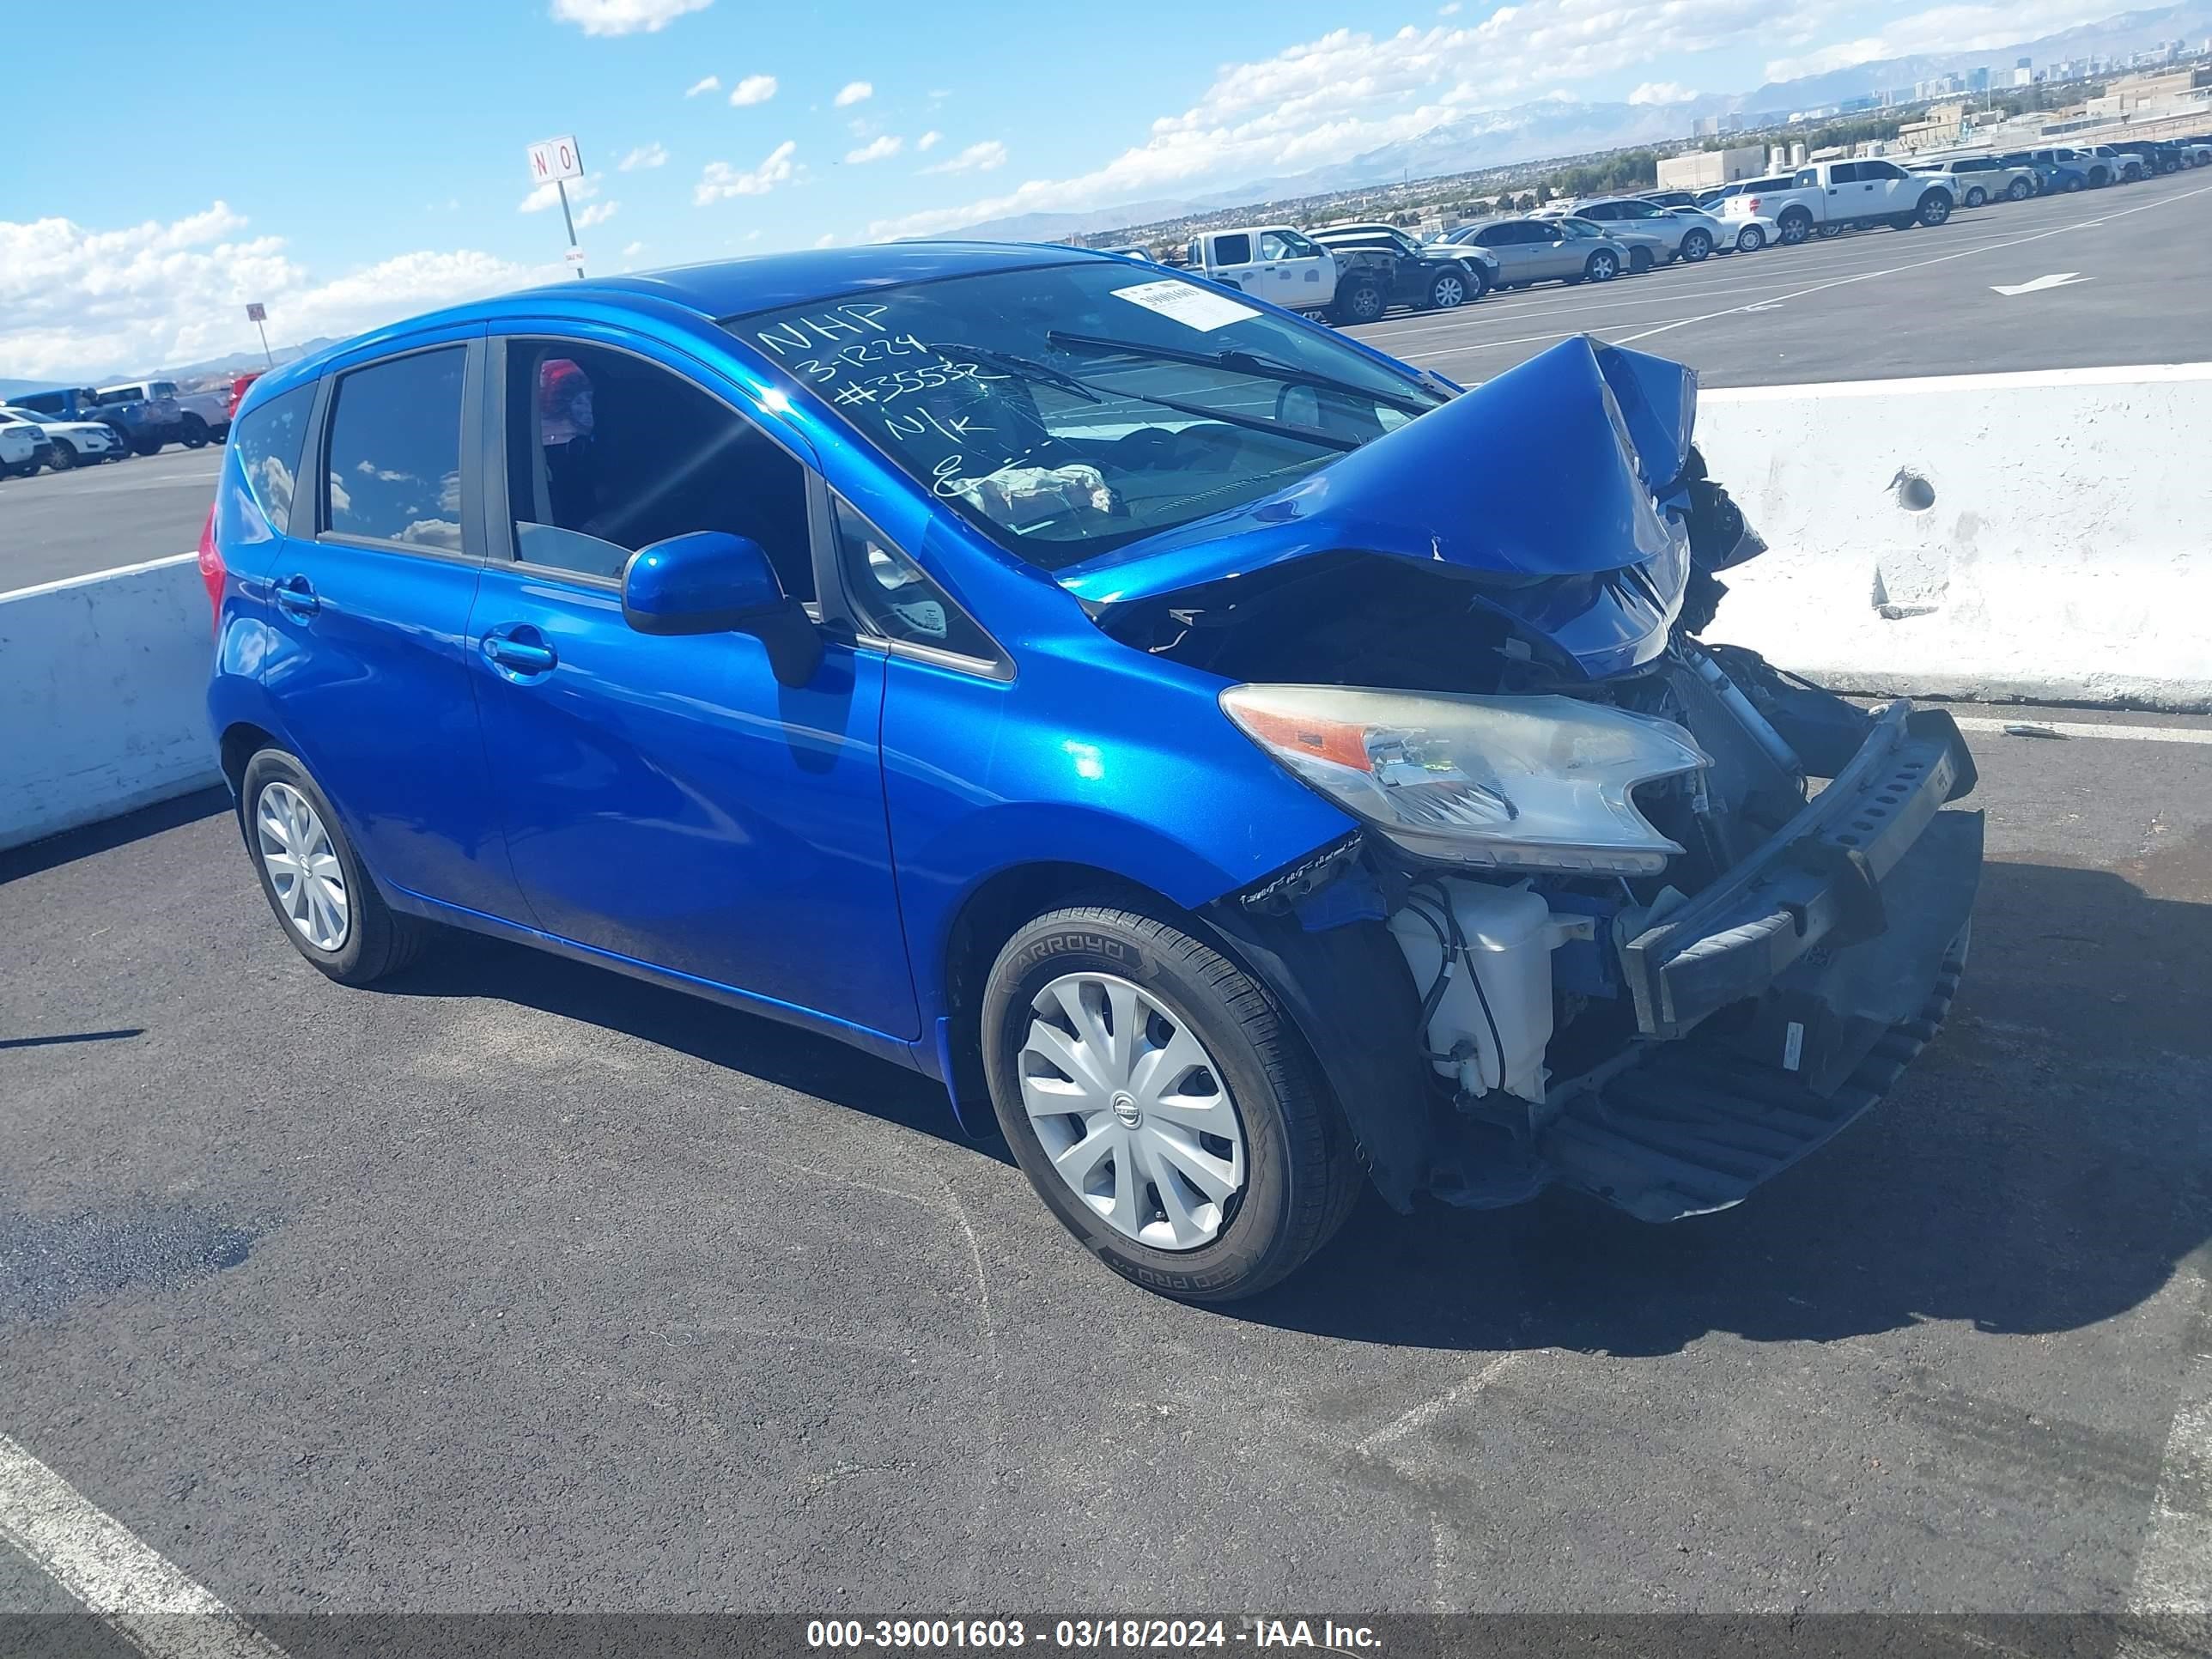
1187,303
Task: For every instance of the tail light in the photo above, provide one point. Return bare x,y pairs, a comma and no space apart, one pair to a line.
211,567
1750,203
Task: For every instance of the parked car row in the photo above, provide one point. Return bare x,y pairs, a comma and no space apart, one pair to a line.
83,425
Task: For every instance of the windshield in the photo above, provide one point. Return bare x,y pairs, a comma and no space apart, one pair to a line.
1069,408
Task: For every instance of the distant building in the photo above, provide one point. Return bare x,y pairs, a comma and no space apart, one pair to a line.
1979,80
1709,169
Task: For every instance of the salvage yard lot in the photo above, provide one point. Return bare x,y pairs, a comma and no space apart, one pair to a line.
1877,304
518,1284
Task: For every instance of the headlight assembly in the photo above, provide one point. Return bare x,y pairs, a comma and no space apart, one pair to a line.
1503,783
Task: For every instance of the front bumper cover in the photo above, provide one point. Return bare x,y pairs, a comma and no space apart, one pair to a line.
1837,946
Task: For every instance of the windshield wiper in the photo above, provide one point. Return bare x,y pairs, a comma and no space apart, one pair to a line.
1238,359
1020,365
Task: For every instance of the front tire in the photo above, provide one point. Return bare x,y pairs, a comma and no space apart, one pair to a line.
64,455
2016,190
1697,244
1160,1105
1602,266
1448,292
1935,209
2073,182
313,879
1977,197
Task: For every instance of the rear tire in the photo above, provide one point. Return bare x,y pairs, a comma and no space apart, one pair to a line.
2072,183
1794,226
2016,190
1363,302
1299,1179
196,434
376,939
1976,196
1750,239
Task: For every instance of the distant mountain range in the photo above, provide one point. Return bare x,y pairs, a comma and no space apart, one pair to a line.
1555,127
229,367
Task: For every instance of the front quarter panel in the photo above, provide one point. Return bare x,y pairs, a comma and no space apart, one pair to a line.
1094,755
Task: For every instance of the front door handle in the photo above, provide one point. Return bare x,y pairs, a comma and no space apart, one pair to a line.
519,655
295,597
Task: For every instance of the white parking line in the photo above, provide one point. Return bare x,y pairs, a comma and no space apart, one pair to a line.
2090,729
127,1585
1917,264
2172,1593
1429,1410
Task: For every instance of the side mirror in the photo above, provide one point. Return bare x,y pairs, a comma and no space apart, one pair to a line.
709,581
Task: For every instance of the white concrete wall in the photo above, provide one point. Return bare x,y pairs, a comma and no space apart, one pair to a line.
2067,554
102,687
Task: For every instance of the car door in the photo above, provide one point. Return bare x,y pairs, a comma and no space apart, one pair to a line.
1890,188
367,595
1552,252
668,800
1302,276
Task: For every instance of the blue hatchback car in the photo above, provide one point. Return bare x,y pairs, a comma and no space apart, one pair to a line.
1246,768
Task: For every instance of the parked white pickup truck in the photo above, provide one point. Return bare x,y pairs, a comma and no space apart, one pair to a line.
1288,268
1831,196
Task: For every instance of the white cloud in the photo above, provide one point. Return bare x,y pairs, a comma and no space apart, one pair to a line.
753,89
598,213
827,238
704,84
720,179
976,158
881,149
1451,11
623,17
645,155
549,195
78,303
633,250
854,92
928,140
1347,92
1951,30
1662,92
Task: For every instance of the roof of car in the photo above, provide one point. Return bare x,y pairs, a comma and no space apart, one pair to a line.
732,288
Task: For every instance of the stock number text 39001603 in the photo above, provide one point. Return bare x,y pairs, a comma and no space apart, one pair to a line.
1073,1635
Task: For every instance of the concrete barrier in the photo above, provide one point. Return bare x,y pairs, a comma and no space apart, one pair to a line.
102,680
2039,536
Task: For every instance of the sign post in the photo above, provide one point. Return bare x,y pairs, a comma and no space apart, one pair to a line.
258,314
554,162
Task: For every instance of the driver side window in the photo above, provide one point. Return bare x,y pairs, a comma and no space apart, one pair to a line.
607,452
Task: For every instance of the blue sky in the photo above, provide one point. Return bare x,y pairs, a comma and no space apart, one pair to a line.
350,163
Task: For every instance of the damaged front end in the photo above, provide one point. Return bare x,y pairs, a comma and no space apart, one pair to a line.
1597,927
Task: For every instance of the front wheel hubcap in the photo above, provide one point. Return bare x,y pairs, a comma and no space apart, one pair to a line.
303,866
1131,1111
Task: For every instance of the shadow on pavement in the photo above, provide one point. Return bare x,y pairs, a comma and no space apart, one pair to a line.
472,966
108,833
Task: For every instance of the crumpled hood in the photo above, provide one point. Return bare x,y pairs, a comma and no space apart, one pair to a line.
1548,471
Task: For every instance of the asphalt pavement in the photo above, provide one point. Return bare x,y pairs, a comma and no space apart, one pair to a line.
1882,303
516,1285
59,525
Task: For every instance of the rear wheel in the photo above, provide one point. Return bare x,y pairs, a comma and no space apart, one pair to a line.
2073,182
1159,1104
1976,195
196,434
1750,239
313,878
1697,244
1794,226
2016,190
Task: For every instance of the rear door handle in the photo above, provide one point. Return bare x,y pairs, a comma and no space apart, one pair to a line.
295,597
520,656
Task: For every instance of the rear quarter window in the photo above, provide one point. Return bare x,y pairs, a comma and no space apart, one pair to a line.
394,456
267,442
